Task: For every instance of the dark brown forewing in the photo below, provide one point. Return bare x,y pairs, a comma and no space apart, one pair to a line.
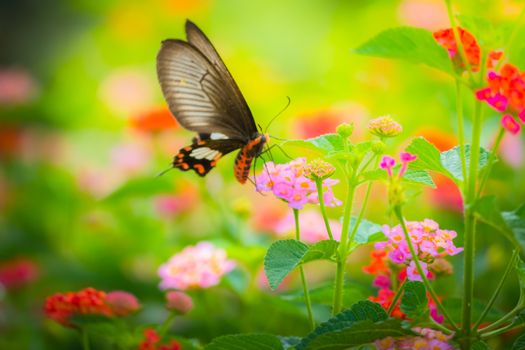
196,93
197,38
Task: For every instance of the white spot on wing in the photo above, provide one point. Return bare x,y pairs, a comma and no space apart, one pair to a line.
204,153
218,136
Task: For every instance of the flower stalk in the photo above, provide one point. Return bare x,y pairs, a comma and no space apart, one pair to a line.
303,277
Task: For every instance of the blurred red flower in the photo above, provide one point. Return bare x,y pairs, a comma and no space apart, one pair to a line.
151,340
89,301
325,121
18,272
11,140
154,120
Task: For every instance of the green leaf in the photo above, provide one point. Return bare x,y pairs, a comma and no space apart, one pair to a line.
519,343
282,257
352,293
428,156
414,302
488,35
289,342
451,160
324,144
359,333
415,45
480,345
322,250
515,220
487,210
367,232
285,255
361,311
246,342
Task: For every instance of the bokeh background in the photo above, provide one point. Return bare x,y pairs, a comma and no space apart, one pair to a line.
84,131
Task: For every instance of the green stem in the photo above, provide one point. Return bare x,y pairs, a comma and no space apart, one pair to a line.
491,161
498,289
501,330
461,132
85,339
440,326
470,229
319,185
166,325
396,298
303,277
426,282
504,319
457,38
363,206
342,253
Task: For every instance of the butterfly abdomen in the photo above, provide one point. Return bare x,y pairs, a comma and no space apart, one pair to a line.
244,159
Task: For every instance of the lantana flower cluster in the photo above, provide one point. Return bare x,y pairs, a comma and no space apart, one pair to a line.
427,339
506,94
384,126
89,301
446,39
199,266
289,183
429,241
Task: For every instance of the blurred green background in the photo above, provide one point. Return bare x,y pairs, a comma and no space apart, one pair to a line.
84,131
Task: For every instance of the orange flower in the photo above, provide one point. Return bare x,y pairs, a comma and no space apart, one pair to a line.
446,39
154,120
378,265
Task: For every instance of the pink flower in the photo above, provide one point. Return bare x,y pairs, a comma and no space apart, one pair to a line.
199,266
510,124
387,163
381,281
18,272
122,303
312,226
413,273
405,159
179,302
289,183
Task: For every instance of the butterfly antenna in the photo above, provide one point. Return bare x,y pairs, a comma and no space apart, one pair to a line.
164,171
282,150
278,138
278,114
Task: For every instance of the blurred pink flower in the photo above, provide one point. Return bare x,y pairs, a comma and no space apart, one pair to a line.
511,150
17,86
199,266
429,14
427,339
18,272
130,158
127,91
122,303
179,302
287,182
169,205
311,224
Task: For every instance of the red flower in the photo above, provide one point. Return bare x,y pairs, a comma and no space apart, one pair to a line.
155,120
89,301
152,339
17,273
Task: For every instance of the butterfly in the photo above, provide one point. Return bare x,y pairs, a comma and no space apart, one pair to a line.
204,98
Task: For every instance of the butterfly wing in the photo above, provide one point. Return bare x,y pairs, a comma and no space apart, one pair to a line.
199,40
204,153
